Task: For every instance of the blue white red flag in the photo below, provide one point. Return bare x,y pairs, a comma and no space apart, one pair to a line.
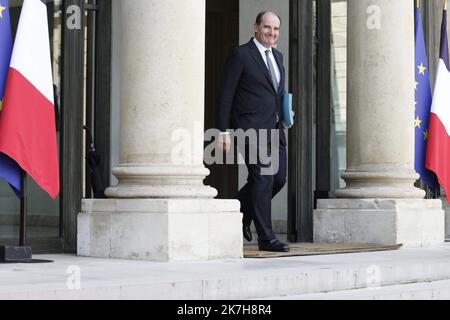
27,124
9,170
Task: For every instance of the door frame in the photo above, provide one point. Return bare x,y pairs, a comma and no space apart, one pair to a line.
301,148
72,127
98,103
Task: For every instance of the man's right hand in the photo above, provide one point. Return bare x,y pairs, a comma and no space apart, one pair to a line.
225,142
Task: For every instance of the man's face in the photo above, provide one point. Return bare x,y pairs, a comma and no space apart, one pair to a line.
268,31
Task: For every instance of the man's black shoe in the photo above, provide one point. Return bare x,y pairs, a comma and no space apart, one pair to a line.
274,245
247,233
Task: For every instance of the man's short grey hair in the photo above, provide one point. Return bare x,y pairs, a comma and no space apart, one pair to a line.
262,14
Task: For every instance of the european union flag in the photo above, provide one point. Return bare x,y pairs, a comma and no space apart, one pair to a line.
422,107
9,170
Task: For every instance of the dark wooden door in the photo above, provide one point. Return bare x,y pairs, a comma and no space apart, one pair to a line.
222,34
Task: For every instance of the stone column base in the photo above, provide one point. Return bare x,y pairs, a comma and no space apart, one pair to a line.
411,222
160,229
446,206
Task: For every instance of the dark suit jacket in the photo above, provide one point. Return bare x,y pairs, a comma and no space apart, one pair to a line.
247,98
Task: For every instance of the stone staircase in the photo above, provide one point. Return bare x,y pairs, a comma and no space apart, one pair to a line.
407,273
433,290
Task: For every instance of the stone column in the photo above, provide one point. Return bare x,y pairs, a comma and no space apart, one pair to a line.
380,136
160,210
380,91
162,101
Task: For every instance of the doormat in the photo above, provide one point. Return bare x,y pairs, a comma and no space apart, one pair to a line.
313,249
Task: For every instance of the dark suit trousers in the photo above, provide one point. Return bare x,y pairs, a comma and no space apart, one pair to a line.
256,196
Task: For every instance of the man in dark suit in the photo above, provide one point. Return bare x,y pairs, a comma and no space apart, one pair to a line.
250,99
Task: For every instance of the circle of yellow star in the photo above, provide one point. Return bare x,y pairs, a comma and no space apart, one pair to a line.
415,85
1,10
422,69
426,134
417,122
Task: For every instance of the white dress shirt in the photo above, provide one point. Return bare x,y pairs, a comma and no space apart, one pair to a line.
263,50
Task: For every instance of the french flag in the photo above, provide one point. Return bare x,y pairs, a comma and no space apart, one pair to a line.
27,123
438,149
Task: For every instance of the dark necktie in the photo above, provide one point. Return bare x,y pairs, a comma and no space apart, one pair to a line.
271,70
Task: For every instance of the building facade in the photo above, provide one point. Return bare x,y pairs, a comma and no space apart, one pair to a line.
142,75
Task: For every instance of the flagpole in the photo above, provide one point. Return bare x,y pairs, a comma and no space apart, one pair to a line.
445,5
23,210
20,253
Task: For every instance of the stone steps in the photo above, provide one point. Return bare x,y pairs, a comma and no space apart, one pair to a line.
404,270
434,290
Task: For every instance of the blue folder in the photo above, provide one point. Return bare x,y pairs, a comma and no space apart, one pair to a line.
286,109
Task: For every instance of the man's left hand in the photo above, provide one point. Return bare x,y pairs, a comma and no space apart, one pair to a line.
284,126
